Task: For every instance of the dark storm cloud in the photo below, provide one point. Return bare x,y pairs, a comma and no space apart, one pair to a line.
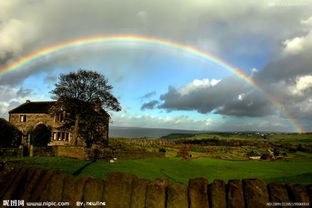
203,99
201,23
149,105
286,68
252,105
237,31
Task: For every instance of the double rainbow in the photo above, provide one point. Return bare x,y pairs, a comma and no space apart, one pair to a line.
35,56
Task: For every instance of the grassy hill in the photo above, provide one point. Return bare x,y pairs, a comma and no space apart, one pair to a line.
291,138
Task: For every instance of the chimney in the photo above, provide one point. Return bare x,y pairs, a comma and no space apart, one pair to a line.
27,101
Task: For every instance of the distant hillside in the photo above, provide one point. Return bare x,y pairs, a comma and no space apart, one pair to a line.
178,136
135,132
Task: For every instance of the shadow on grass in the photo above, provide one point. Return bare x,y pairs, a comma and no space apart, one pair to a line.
166,175
77,172
305,178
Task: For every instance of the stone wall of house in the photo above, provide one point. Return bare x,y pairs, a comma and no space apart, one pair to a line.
127,191
32,120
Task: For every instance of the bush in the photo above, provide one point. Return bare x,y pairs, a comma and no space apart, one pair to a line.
40,136
163,150
10,136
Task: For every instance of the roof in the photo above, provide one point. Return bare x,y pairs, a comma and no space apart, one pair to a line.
38,107
33,107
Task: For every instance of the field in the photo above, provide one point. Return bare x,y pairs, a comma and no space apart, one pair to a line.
227,146
288,138
296,170
213,155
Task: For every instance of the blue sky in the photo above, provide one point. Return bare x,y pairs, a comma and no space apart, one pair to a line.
186,92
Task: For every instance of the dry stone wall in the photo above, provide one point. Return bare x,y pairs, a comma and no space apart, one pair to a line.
127,191
79,152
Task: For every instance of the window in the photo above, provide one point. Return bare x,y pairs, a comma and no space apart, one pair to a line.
54,136
59,135
60,117
63,135
22,118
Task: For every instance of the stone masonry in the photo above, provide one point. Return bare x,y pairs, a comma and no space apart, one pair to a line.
120,190
31,114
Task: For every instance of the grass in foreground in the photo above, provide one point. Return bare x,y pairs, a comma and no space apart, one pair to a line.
178,170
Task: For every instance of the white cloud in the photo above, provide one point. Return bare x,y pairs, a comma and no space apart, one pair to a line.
302,83
150,121
11,33
298,44
307,21
294,46
197,84
6,8
241,96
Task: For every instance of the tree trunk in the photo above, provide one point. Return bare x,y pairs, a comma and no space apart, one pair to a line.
74,140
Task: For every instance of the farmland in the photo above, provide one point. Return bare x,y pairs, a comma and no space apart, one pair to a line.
211,155
178,170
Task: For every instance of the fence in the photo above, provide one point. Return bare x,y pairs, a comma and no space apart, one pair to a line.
127,191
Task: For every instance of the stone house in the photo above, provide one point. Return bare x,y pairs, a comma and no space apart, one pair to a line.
29,115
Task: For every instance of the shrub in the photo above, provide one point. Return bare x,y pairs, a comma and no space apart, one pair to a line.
10,136
40,136
163,150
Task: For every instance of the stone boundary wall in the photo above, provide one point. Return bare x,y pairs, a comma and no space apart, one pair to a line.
81,153
11,152
70,151
127,191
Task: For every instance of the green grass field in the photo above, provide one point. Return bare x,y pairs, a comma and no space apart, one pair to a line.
178,170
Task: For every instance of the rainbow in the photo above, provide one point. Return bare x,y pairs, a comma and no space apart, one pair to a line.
35,56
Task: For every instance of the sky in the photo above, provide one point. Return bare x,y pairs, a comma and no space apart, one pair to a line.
165,87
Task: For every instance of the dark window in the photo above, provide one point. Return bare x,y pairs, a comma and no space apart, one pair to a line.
60,117
59,135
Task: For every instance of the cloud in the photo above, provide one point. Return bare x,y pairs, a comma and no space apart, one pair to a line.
197,84
148,95
149,121
149,105
249,30
51,78
252,105
271,123
11,98
298,44
27,26
302,84
14,34
201,95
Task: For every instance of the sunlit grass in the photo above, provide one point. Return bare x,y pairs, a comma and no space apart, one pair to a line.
178,170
